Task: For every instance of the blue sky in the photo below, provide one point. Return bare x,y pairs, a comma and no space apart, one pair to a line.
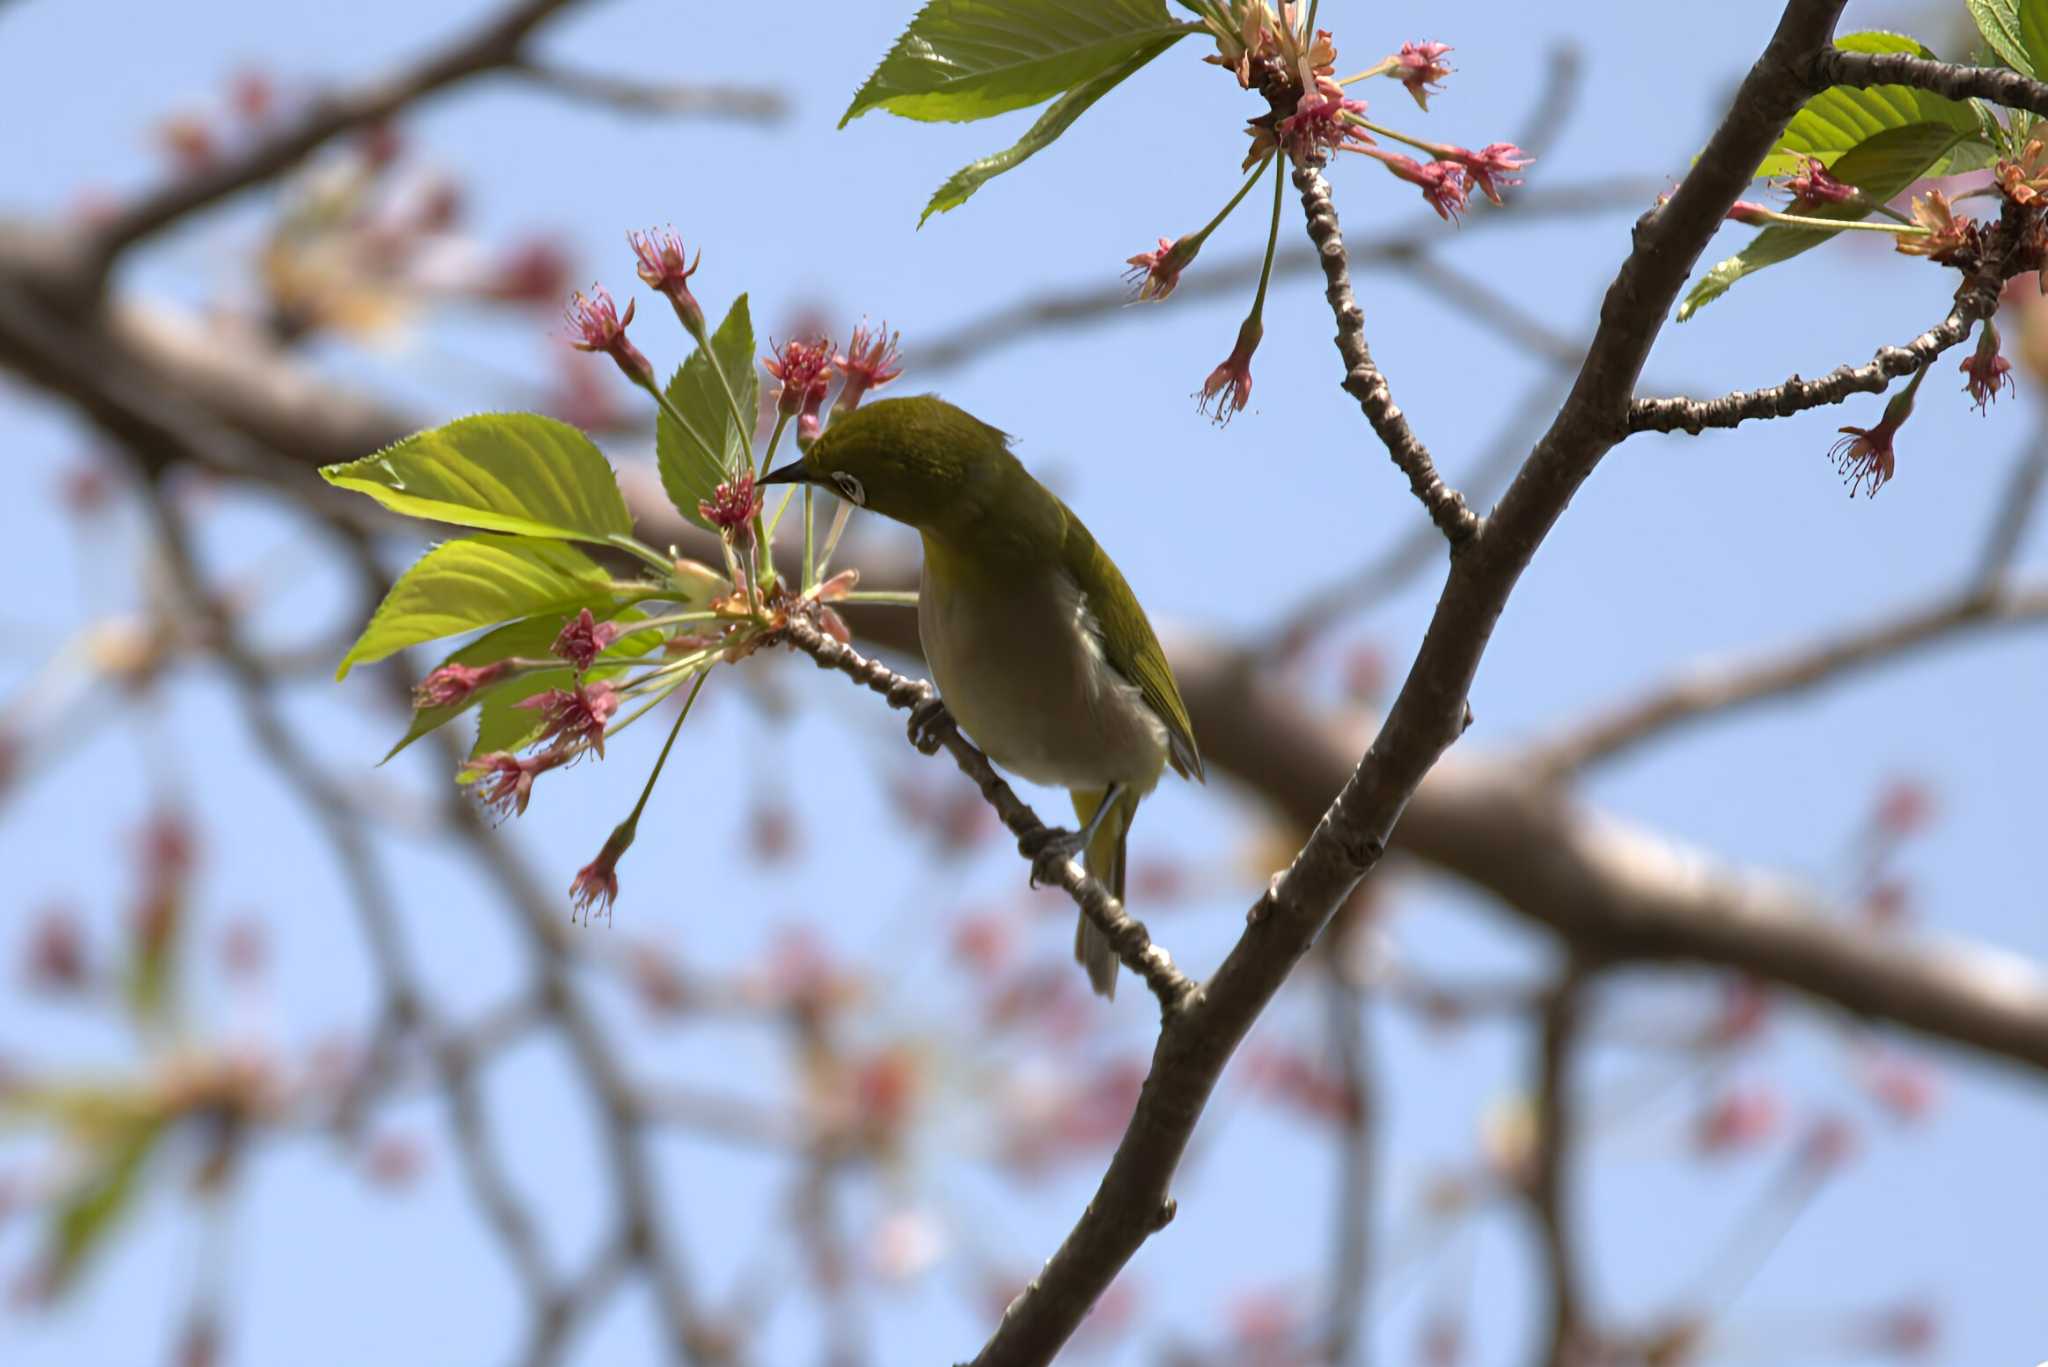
1678,548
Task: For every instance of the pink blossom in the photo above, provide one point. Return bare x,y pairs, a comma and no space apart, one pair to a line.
598,327
869,362
1230,384
1987,372
1156,274
666,269
1814,187
1442,182
503,782
1492,166
583,638
732,507
575,717
1419,66
452,684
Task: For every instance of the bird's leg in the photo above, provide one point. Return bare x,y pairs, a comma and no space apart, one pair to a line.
1056,845
924,719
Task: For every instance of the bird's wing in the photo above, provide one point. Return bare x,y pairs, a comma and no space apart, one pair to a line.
1128,641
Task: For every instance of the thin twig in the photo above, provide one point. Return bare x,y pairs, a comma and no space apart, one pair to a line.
1977,302
661,99
1710,691
1551,1160
1362,378
2014,514
494,46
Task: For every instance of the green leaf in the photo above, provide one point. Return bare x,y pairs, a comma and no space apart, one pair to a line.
694,459
1999,22
476,582
968,59
1053,122
502,472
501,724
95,1208
1882,166
2033,27
1841,118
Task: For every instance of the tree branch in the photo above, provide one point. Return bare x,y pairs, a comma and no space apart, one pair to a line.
1832,66
739,103
496,45
1555,1144
1974,303
932,728
1710,691
1362,378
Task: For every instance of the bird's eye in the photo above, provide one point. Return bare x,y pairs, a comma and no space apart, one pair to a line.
852,488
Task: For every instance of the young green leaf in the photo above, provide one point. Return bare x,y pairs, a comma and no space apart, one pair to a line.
1053,122
502,472
98,1204
1881,167
969,59
1999,22
712,448
476,582
2033,27
1840,117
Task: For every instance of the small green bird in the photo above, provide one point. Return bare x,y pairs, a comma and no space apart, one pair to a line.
1039,647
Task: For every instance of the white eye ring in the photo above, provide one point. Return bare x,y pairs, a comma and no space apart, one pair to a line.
852,488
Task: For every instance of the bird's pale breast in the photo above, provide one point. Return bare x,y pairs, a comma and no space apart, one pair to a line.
1022,669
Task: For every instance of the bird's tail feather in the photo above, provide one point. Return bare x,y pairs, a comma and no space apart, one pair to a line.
1104,859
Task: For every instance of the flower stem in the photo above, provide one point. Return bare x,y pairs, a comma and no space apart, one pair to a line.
1213,224
1381,68
1272,244
900,598
633,820
1435,149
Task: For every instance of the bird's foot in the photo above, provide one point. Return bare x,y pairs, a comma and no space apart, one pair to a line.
1048,848
924,725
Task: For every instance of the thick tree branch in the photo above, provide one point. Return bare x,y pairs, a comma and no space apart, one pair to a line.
1832,66
1976,302
1363,379
1716,690
933,728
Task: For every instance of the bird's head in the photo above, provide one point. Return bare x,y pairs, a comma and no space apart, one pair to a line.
917,460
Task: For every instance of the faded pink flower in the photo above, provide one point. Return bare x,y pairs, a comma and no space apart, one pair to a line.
1814,187
1442,182
598,327
1739,1119
574,717
1419,66
1318,120
503,782
1492,166
732,508
1156,274
1755,215
869,362
1230,384
453,684
583,638
666,268
1987,372
801,367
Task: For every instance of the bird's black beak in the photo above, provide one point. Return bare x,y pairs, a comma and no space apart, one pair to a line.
792,473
